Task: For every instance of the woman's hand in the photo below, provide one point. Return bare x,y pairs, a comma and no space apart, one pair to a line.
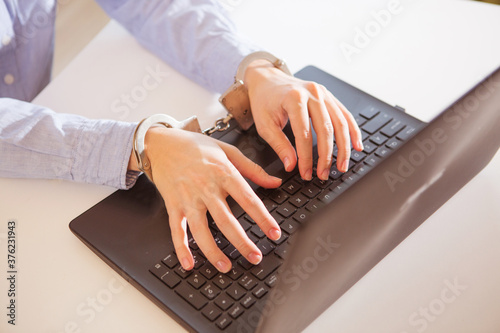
276,97
194,174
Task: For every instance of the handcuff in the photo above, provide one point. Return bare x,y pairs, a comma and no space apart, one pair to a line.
235,100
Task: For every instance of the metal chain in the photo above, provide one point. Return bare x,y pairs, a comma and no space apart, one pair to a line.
221,125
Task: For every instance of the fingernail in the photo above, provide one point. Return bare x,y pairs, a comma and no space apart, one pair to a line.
325,175
286,162
308,175
186,263
275,234
345,166
360,145
255,258
222,266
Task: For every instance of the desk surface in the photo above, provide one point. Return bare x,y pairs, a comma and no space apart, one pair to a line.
423,58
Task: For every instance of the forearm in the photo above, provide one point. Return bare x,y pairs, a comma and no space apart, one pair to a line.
37,142
195,37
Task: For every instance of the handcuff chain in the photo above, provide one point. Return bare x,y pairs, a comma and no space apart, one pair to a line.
221,125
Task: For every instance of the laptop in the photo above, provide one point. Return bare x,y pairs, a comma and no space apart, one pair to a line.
334,231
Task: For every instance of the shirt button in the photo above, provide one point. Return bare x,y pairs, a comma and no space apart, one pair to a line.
6,40
8,79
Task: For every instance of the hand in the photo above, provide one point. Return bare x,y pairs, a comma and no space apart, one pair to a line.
195,173
276,97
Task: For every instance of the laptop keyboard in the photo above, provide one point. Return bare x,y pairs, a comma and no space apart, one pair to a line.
222,298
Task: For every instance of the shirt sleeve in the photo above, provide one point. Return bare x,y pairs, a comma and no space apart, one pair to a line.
37,142
193,36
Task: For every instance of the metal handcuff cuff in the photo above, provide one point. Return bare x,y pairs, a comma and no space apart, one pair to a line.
235,99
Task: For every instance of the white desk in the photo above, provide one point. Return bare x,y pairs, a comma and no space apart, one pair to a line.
427,56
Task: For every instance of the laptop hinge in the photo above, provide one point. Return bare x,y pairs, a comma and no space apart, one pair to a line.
400,108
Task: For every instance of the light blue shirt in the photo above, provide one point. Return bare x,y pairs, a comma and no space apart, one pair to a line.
193,36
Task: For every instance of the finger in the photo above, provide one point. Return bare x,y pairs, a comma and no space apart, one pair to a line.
249,169
324,131
354,131
180,239
233,231
342,138
299,120
242,193
198,225
279,142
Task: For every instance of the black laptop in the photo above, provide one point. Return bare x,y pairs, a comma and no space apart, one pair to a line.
334,231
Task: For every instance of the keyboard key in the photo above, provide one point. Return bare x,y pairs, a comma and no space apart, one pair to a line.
392,128
314,205
260,290
283,238
222,281
360,120
245,224
327,196
196,280
182,272
310,190
369,147
170,260
272,279
211,312
361,169
236,291
322,183
223,301
372,160
393,143
382,151
191,295
286,210
265,246
236,311
248,301
210,291
235,207
257,231
277,217
279,196
338,187
231,252
357,156
376,123
291,187
369,112
301,216
198,260
208,270
266,267
407,133
349,178
378,139
223,322
235,272
334,172
220,241
290,226
298,200
270,205
248,282
166,275
192,242
282,251
245,263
